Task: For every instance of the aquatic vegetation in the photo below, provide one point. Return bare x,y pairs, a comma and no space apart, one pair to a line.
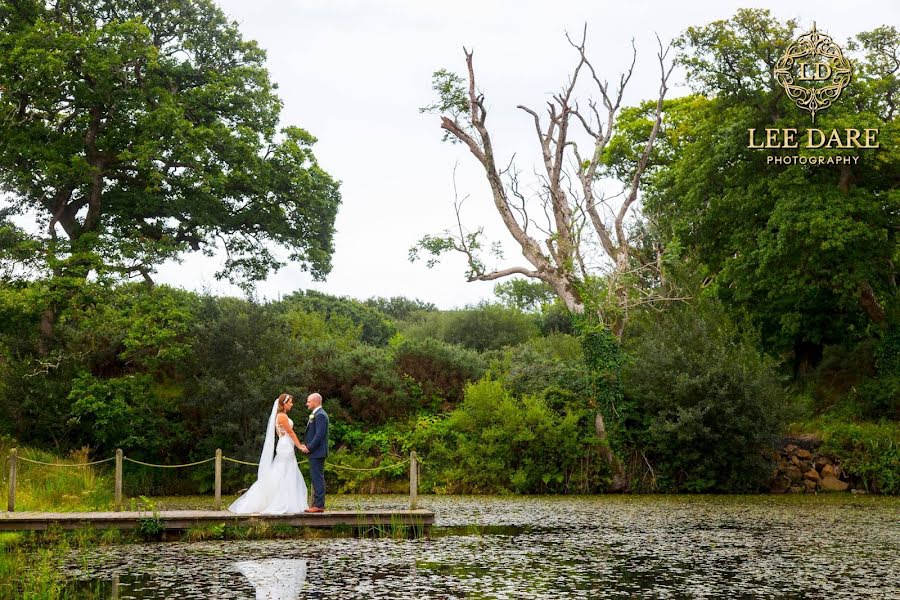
493,547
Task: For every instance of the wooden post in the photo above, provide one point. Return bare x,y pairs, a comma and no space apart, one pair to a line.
118,479
11,503
218,479
413,480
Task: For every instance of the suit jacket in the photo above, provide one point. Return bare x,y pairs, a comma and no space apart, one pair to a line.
316,436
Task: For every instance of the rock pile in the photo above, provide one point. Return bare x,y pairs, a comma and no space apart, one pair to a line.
800,469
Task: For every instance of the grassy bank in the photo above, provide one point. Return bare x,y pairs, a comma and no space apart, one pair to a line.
60,489
29,563
868,451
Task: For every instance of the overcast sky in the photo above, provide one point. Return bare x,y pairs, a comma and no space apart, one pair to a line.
354,74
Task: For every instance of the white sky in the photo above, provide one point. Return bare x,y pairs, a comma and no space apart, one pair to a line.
354,74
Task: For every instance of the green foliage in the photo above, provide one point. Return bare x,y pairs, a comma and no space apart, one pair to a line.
217,531
869,452
452,98
122,412
745,43
704,403
366,385
57,489
376,329
550,367
153,129
856,382
441,370
149,526
19,252
500,442
488,327
555,318
524,294
471,243
604,358
806,252
482,327
398,307
496,442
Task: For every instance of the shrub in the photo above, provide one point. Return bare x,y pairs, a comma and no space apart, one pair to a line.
495,442
707,403
869,452
376,329
550,367
367,386
439,368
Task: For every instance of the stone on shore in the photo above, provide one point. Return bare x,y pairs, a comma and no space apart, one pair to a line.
833,484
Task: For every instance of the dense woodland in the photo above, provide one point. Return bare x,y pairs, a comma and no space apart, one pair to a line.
775,307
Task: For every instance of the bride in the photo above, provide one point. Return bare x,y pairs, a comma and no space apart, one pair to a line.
279,487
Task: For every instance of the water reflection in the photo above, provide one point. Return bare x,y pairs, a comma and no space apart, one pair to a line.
545,547
274,578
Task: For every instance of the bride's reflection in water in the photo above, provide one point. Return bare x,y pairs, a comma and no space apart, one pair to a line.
275,578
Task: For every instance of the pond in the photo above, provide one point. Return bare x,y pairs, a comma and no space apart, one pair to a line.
795,546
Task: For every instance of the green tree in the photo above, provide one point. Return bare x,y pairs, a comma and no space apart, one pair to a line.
140,131
808,252
701,404
523,294
440,369
400,307
375,328
489,327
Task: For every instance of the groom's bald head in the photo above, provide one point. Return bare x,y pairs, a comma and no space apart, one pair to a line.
313,400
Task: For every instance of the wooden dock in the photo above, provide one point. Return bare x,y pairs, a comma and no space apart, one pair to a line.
179,520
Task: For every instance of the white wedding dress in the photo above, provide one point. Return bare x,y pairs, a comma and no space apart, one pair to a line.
275,578
279,488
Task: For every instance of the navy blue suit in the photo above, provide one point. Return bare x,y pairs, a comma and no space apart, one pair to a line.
316,440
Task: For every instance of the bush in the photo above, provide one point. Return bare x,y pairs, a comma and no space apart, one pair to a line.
707,403
482,327
495,442
868,452
440,369
859,380
367,386
376,329
551,367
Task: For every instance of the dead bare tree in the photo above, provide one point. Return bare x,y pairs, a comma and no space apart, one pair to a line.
568,190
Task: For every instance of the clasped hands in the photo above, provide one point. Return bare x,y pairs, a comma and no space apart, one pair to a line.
304,449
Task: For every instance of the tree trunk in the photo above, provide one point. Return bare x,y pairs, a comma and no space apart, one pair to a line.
871,305
48,318
620,481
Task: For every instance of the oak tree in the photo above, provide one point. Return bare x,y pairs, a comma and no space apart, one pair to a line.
135,131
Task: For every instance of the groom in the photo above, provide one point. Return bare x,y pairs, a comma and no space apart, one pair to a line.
316,446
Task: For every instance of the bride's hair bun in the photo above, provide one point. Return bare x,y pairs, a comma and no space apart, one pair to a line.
283,398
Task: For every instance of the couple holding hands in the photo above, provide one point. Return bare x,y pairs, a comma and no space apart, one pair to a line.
279,487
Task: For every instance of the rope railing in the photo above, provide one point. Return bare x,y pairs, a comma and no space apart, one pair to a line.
240,462
86,464
120,458
330,465
146,464
373,469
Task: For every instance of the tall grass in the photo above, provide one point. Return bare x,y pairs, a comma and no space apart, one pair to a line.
57,489
29,563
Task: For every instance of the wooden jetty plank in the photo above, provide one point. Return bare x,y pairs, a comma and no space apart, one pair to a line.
185,519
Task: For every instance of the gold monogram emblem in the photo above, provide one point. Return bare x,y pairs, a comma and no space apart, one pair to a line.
815,58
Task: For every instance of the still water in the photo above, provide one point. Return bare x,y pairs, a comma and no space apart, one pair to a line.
839,546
